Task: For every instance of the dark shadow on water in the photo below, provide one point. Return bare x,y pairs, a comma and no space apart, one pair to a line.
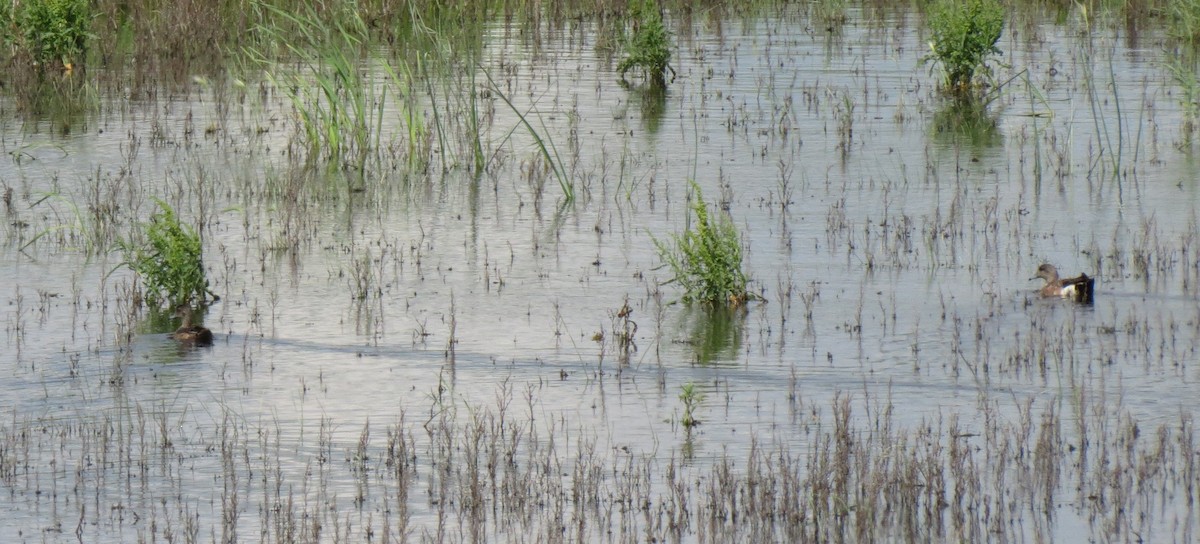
651,98
966,121
715,333
164,320
687,450
157,326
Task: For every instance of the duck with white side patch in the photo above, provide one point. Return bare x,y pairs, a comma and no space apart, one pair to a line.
1080,288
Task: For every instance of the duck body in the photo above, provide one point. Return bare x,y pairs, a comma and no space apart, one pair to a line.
194,334
189,333
1080,288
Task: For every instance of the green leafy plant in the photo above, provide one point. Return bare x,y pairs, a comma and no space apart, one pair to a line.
169,261
691,397
650,46
964,35
52,32
706,259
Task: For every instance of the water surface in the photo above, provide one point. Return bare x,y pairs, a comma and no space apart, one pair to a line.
893,256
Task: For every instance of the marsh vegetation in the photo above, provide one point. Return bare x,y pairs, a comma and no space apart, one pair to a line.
433,243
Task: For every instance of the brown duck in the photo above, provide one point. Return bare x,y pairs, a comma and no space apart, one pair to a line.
188,333
1079,288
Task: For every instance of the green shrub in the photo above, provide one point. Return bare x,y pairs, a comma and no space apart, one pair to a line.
706,259
52,32
650,46
964,35
169,261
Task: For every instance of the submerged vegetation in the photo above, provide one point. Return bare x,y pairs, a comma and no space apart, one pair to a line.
964,36
706,259
869,476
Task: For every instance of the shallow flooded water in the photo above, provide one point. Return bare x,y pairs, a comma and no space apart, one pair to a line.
436,356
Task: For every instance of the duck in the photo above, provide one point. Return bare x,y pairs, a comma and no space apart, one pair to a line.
1080,288
187,333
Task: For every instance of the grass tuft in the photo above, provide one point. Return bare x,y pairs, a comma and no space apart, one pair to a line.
706,259
691,397
336,104
1183,17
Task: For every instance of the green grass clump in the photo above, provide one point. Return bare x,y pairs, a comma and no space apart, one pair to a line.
338,107
1188,96
691,397
964,35
53,33
650,46
706,259
1184,20
169,261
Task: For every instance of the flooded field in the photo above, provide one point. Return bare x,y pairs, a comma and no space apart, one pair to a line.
458,327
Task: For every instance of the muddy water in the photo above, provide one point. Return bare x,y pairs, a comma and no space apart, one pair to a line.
893,256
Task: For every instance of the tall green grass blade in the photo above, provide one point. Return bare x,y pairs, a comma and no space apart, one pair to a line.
551,159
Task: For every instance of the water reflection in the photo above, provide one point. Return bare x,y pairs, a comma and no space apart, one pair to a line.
966,120
651,99
715,333
469,303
